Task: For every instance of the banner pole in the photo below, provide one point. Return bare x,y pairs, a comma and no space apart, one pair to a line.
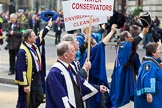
89,41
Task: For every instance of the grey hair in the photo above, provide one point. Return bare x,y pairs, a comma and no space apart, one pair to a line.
69,37
13,15
62,48
123,35
27,34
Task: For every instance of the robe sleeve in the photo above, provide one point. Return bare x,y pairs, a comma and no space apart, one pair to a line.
88,90
56,94
21,69
41,36
146,82
83,73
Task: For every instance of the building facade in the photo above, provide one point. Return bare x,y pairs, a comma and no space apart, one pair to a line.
153,6
123,6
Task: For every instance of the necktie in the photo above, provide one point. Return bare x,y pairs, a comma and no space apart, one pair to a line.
39,64
33,47
70,71
71,74
38,61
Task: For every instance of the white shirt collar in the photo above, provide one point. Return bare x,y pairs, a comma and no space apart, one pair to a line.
29,45
64,63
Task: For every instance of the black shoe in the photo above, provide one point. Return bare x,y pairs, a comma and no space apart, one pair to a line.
11,73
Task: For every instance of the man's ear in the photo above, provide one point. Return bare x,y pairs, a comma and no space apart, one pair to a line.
29,38
65,55
153,54
125,38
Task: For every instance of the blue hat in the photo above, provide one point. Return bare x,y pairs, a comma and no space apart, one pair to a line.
97,36
49,14
80,38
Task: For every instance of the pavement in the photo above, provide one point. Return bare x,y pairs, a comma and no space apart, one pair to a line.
4,68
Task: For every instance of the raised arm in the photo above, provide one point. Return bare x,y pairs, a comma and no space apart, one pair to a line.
141,35
107,38
43,33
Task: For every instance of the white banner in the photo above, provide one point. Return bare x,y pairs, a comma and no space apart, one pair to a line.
91,7
73,22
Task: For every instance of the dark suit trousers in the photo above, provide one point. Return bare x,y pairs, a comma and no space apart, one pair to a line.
36,94
12,59
57,37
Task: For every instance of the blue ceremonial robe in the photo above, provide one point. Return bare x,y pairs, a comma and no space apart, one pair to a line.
122,85
149,80
81,38
25,69
97,73
21,70
22,100
60,90
40,42
43,57
97,36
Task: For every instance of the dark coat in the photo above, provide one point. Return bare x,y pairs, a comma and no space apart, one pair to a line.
15,40
57,27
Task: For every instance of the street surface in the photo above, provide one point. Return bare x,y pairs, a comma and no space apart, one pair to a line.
8,94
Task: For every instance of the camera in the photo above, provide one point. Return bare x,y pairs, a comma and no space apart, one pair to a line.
7,36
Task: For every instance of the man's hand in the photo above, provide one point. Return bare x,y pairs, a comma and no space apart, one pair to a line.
103,89
27,89
50,23
87,65
149,98
11,33
145,30
113,27
103,26
110,34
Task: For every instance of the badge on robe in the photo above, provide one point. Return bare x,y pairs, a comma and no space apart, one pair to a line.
147,67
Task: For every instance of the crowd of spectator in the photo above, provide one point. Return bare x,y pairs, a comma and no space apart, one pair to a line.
133,25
